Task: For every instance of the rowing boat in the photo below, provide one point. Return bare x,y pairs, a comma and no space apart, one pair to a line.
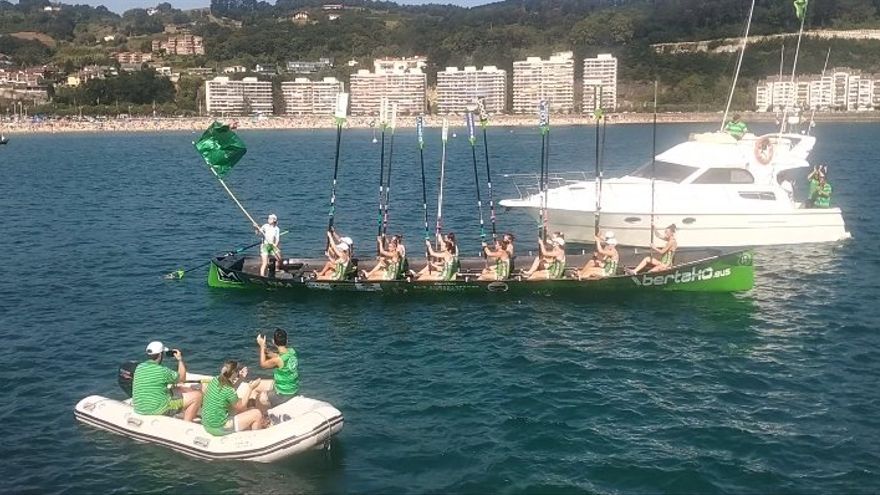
697,271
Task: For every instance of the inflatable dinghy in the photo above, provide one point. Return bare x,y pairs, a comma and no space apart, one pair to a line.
304,424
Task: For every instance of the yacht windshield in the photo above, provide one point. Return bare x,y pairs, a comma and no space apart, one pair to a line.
667,171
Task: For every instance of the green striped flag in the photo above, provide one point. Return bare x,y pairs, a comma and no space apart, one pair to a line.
800,8
221,148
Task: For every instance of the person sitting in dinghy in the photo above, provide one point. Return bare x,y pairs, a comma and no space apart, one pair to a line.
550,259
666,254
149,390
284,384
222,401
501,255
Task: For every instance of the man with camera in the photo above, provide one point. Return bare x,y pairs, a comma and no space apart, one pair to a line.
150,392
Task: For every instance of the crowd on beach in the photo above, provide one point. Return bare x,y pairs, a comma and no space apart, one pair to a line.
198,124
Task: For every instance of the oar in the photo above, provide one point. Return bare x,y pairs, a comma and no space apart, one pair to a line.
469,119
420,131
598,115
383,122
178,274
653,166
339,115
484,123
388,179
544,125
445,138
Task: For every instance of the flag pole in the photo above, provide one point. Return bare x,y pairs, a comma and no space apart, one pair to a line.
237,202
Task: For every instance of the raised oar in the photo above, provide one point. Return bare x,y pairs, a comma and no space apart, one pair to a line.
469,118
484,123
222,149
597,113
383,122
178,274
420,131
445,138
340,114
653,166
388,180
544,125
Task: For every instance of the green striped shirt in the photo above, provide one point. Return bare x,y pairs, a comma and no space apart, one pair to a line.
287,376
215,404
149,389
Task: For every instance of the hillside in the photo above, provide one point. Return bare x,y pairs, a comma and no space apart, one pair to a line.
249,31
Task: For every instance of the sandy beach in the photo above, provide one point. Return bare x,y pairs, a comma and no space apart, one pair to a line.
65,125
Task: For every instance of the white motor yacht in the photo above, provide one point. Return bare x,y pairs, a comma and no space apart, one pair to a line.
718,191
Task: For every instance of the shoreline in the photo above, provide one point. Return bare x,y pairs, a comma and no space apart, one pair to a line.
311,122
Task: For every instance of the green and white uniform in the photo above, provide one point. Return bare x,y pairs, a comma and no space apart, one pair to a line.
556,269
736,128
287,376
392,271
271,236
340,269
610,267
450,268
502,269
667,258
823,196
215,407
150,394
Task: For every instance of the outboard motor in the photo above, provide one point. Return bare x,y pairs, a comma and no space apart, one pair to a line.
126,376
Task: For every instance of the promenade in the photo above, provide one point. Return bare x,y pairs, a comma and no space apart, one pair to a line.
198,124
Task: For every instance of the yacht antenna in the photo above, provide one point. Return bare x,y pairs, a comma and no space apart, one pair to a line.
653,162
803,16
822,78
739,62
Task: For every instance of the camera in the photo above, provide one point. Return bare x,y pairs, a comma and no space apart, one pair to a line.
169,353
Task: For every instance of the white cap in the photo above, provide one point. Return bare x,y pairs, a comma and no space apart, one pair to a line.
272,217
559,241
346,240
156,347
342,246
609,234
611,242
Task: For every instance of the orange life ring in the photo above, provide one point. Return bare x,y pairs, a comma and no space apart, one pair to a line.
763,150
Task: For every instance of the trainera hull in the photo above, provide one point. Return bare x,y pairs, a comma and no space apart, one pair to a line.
731,272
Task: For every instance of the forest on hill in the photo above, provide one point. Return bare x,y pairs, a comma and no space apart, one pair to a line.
248,32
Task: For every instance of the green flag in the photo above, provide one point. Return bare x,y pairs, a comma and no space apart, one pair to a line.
800,8
221,148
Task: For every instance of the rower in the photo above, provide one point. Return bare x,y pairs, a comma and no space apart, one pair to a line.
501,254
441,242
605,259
339,254
448,262
666,253
511,250
390,263
551,254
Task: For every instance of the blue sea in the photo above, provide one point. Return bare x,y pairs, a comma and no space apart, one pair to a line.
771,391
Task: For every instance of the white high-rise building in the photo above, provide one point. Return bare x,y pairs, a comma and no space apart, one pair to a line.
397,64
840,88
535,79
763,102
458,89
405,87
821,93
248,96
305,97
600,83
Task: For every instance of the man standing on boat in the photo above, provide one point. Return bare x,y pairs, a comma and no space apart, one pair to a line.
270,245
149,389
736,127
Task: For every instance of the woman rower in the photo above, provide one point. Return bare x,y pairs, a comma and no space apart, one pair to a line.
337,266
448,262
551,254
604,261
389,265
666,253
501,254
449,237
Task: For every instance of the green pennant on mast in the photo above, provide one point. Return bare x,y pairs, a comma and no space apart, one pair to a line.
800,8
221,148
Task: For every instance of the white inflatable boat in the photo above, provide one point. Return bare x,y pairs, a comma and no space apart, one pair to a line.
305,424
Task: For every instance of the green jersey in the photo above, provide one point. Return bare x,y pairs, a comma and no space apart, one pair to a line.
149,389
823,196
287,376
736,128
215,405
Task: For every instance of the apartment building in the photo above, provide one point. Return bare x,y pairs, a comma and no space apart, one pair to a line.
181,44
841,89
246,97
397,64
133,57
459,89
305,97
309,66
407,88
600,83
536,79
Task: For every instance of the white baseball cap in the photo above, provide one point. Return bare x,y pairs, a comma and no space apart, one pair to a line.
346,240
611,241
156,347
559,241
342,246
609,235
272,217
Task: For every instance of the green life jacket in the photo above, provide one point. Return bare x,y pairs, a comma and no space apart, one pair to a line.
823,196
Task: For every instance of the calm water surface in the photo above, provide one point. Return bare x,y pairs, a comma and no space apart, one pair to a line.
770,391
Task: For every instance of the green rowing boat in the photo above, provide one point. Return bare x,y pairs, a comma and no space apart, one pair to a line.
697,272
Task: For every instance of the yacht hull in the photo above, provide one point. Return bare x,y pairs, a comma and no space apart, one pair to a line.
800,226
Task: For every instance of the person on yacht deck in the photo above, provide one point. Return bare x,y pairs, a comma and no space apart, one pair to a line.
736,127
666,254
